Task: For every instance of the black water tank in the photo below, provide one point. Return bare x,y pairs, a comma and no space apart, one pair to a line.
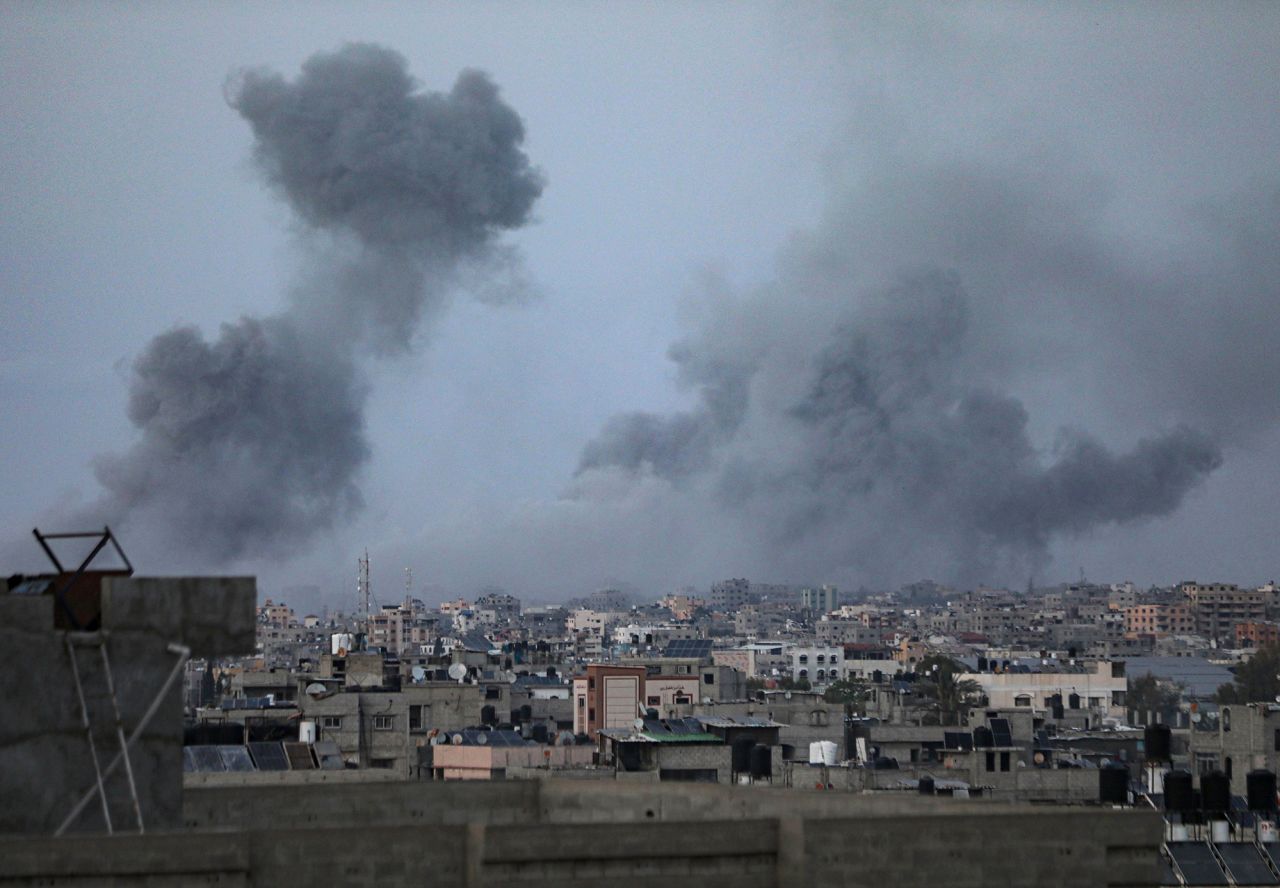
926,785
1074,701
1058,711
1157,740
651,713
1261,790
983,738
982,664
488,715
1113,785
1215,792
877,676
526,713
742,754
539,733
1178,792
788,752
761,761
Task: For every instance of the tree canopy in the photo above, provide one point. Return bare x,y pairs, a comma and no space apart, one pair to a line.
1257,680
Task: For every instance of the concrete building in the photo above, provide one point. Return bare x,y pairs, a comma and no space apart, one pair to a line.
1219,606
729,595
818,665
822,600
1098,686
1159,619
148,628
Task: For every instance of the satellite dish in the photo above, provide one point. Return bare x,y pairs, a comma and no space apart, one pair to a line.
638,724
438,740
457,672
787,695
456,739
419,674
481,738
316,689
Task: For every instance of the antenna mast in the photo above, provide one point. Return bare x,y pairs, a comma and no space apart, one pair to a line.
362,586
408,587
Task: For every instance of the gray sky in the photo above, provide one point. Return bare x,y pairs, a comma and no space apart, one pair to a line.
754,183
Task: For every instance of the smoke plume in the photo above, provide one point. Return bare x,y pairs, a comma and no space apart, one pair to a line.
253,442
864,426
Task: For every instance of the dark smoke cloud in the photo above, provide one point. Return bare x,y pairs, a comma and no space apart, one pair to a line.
253,442
871,434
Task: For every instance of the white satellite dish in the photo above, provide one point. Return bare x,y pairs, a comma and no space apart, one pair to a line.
481,738
638,724
457,739
457,672
419,674
316,689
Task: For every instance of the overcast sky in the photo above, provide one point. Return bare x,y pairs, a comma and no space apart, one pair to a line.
853,293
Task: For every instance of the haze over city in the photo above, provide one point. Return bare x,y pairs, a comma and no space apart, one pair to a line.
852,294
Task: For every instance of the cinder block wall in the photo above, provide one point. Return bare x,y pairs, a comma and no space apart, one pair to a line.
45,766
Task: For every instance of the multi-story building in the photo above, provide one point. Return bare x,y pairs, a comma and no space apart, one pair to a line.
818,665
1219,606
505,608
1098,686
1257,634
822,600
729,595
1159,619
613,696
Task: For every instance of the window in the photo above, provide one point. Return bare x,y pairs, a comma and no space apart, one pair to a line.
385,764
653,701
384,722
991,761
492,693
1004,761
709,678
335,721
804,658
415,718
804,673
1226,726
1022,700
821,658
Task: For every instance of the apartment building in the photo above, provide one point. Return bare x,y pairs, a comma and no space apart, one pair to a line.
1219,606
1159,619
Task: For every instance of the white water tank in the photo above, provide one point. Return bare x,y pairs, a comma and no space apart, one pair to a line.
829,752
1178,832
1267,832
307,732
815,752
1221,831
339,642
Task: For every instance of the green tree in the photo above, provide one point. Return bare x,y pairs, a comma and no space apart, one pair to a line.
1147,694
939,678
846,690
1257,680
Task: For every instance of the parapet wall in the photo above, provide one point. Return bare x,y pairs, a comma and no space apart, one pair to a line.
565,833
45,764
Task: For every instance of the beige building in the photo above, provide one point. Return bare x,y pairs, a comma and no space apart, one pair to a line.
1219,606
1097,686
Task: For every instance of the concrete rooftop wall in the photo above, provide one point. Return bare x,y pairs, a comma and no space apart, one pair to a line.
45,766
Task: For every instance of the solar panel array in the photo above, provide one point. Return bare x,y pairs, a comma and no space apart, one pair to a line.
1001,734
300,758
1246,864
269,756
958,740
329,756
1197,863
493,738
205,758
236,758
699,648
